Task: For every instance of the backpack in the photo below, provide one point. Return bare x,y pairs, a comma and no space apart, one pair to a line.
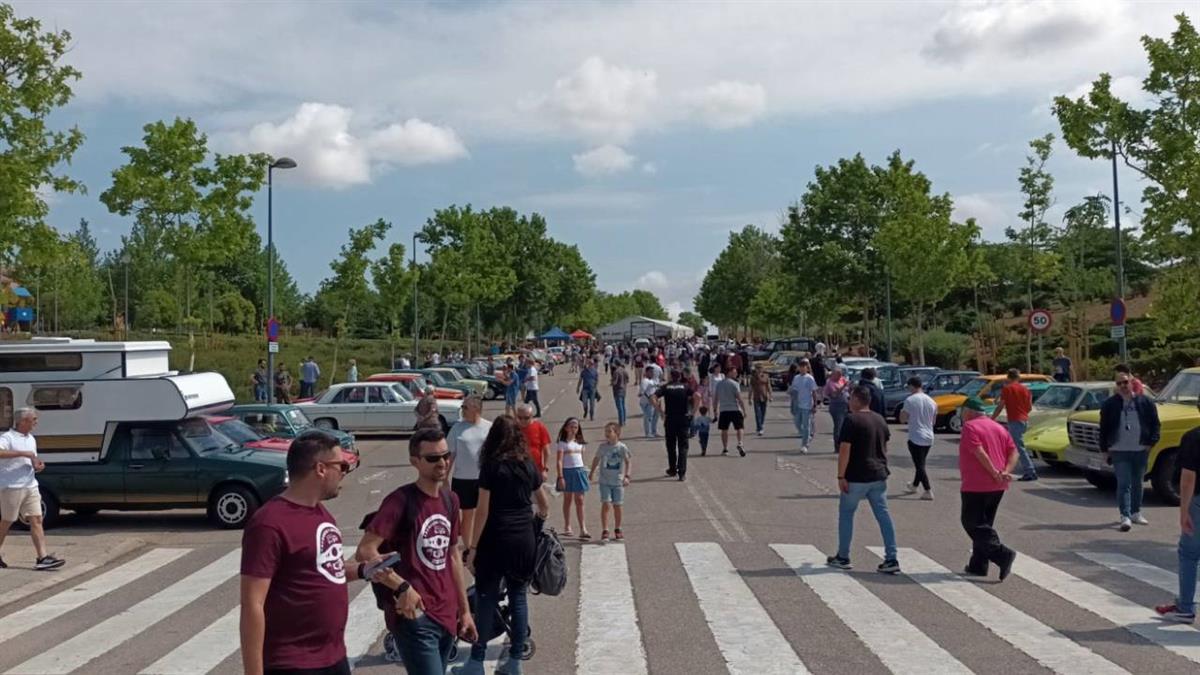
550,564
383,594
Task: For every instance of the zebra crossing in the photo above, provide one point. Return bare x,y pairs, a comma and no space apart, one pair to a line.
609,633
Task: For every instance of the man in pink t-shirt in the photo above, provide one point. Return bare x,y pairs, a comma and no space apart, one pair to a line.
986,457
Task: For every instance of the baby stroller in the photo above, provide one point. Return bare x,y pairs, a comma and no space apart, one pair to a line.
501,625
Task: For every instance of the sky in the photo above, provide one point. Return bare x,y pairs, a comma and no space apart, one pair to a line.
645,132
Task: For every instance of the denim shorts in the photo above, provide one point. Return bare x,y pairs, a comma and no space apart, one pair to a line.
614,494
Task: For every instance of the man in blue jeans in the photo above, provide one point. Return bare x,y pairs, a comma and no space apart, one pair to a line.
1183,609
862,473
1129,427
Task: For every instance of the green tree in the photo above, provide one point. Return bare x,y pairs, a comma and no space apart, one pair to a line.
750,257
1036,238
235,313
772,306
694,321
648,305
33,84
1160,144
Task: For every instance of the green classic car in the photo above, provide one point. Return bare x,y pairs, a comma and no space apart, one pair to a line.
282,420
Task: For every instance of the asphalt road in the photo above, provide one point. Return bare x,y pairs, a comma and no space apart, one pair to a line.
702,583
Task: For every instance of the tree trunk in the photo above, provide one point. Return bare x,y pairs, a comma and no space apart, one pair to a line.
442,337
112,292
920,335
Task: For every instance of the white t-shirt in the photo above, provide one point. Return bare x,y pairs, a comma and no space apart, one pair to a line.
647,387
17,472
921,414
802,390
531,379
570,455
465,442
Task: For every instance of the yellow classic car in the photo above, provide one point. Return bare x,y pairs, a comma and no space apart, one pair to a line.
1178,414
985,387
1046,436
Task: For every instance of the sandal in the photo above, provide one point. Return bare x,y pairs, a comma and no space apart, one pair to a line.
585,536
604,535
568,533
617,534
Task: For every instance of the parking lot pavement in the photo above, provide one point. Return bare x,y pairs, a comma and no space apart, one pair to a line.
83,556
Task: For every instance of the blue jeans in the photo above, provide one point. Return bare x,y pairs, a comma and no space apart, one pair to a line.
619,402
803,420
424,645
487,598
260,393
1130,468
760,415
1189,558
1017,431
588,398
838,412
649,419
876,494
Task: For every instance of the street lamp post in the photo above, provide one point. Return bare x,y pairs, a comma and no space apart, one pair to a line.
416,326
281,163
125,260
1124,350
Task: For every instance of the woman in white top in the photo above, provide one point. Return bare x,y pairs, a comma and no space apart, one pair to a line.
572,476
464,442
646,389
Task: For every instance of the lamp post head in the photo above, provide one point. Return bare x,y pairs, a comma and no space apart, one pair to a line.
283,163
126,259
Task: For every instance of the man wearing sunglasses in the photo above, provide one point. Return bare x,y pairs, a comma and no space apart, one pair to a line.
421,522
294,602
1129,427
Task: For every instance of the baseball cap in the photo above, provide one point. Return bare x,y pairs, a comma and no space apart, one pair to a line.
974,403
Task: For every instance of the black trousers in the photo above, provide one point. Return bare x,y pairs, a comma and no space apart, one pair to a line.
919,453
978,519
531,396
676,430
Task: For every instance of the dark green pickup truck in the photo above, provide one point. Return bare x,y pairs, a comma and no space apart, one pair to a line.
150,466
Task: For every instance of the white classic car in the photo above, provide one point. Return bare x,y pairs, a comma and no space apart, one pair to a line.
372,406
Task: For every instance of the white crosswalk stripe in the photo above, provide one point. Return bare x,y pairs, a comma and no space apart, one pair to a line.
749,640
901,646
1046,645
203,651
1132,567
610,642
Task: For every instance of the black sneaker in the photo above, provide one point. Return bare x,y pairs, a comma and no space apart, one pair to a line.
974,573
724,451
1006,566
889,566
840,563
3,565
48,562
703,451
681,478
741,451
671,472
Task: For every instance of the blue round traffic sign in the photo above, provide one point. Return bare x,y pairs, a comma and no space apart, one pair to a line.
272,329
1116,311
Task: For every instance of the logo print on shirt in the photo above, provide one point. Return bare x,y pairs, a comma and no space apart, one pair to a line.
330,562
434,541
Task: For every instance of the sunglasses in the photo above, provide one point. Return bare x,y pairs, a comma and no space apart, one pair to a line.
1123,383
434,459
341,464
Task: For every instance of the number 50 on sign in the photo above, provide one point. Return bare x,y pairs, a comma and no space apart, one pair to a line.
1040,320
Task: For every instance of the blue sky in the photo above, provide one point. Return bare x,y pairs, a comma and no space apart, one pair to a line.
644,132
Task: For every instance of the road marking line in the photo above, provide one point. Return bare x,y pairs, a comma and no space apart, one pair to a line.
204,651
375,476
1132,567
748,638
729,517
1181,639
119,628
57,605
1041,642
707,512
610,642
901,646
364,624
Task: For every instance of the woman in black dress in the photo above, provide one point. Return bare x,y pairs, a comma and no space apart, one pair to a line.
504,548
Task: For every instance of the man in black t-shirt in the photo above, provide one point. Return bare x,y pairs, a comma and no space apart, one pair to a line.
1183,609
675,401
863,472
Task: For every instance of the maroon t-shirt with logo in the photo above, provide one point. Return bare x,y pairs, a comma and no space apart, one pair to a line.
299,548
426,548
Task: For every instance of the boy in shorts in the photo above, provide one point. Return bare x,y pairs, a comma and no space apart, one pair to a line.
700,427
615,463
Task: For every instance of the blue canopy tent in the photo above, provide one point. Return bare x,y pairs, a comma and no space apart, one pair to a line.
555,334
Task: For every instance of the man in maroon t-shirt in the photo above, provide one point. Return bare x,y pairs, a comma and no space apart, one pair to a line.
294,599
421,522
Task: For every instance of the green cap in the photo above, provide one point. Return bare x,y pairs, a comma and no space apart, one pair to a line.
974,403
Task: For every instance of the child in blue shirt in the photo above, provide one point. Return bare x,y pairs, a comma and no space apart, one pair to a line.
700,429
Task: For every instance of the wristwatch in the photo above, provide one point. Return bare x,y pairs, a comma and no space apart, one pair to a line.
402,589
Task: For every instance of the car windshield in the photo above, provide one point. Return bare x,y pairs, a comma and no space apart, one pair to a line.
1184,388
297,417
972,387
1059,398
402,392
474,369
450,374
435,378
239,431
201,436
783,359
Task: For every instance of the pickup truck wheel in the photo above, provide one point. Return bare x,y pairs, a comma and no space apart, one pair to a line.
490,394
326,423
232,506
1099,479
1165,478
954,424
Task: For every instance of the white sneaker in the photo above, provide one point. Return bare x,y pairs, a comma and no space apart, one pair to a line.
1125,525
1139,519
804,449
927,496
910,489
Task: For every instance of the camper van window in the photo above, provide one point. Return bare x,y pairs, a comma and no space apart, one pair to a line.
29,363
6,409
149,444
58,397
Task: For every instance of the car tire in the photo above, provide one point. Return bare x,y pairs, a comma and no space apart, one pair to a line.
326,423
1101,480
50,512
231,506
490,395
955,422
1165,477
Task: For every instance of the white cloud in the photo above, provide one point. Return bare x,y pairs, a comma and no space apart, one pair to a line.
993,211
1021,29
653,281
603,161
650,168
673,309
329,152
603,102
726,104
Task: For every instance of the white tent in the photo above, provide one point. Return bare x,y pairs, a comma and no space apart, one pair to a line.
633,327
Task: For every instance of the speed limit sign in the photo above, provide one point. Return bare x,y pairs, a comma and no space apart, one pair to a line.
1040,320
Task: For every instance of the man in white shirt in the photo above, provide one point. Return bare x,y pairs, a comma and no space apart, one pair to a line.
803,398
919,413
19,495
530,383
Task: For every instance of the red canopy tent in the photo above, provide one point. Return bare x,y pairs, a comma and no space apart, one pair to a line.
581,335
